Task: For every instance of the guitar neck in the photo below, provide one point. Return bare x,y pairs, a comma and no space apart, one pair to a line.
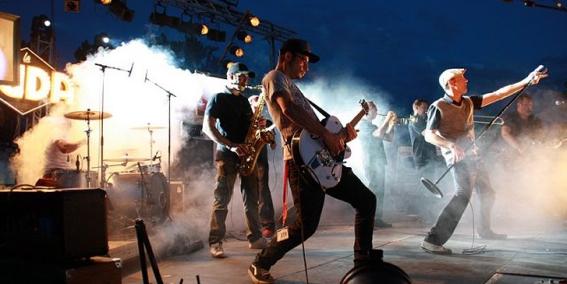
357,118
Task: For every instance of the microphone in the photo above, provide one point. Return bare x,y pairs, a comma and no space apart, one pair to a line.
146,76
538,69
131,68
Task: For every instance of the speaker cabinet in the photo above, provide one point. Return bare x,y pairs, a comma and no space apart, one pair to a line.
60,224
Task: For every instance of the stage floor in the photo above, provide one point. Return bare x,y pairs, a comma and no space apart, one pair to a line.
529,256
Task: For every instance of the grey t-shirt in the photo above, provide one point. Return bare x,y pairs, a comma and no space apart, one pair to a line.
277,82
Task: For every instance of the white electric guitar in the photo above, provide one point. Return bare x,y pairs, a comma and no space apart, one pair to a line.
310,152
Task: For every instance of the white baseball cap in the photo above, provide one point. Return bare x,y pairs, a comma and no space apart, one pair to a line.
448,75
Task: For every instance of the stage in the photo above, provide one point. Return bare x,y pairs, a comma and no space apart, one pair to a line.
534,255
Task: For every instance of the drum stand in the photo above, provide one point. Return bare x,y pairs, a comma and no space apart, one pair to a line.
88,132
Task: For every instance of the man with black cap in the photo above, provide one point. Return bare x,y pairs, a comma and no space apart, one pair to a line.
226,121
292,112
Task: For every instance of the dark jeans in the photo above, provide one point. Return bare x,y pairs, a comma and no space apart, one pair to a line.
265,205
376,177
227,170
467,174
308,199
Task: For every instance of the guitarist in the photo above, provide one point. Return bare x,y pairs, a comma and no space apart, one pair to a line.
292,112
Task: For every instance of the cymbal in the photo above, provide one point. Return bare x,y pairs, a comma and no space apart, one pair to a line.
87,115
148,127
126,159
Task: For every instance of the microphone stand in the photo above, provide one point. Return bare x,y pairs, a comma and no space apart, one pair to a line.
169,95
103,68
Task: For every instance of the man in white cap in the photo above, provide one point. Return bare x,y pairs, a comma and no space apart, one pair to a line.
450,126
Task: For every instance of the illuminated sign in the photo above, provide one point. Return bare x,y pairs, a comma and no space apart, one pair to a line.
39,85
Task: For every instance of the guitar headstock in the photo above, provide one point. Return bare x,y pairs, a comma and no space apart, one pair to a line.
364,104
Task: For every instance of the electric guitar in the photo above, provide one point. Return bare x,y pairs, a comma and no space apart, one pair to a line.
310,153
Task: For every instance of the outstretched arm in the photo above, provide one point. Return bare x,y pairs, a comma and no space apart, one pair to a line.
506,91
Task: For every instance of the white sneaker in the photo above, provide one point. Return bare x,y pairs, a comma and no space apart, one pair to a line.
216,250
435,249
260,243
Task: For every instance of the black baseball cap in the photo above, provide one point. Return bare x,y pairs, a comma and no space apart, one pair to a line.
239,68
296,45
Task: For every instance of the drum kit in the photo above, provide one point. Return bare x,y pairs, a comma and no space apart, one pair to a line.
140,189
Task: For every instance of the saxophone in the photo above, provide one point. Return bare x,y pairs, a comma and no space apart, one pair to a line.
255,140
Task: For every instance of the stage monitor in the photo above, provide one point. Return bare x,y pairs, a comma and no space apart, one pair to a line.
9,48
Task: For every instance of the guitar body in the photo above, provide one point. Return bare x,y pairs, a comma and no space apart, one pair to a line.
310,152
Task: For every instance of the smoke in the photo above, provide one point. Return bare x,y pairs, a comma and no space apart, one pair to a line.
133,104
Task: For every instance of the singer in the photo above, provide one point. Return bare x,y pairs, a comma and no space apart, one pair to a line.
450,126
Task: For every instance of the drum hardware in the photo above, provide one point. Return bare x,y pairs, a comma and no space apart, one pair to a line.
103,68
87,116
150,128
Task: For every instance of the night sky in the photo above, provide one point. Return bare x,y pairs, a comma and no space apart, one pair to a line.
397,48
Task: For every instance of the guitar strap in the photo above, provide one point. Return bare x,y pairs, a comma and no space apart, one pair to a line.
284,206
318,108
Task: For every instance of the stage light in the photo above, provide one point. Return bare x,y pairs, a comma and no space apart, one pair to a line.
203,29
244,36
102,39
47,23
105,2
236,51
558,4
253,20
41,23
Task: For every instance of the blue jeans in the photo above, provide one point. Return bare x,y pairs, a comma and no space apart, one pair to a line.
227,171
467,174
308,199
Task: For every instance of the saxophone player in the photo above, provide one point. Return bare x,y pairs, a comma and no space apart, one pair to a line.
226,121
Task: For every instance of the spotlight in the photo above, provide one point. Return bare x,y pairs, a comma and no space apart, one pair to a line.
236,51
253,20
244,36
105,2
41,23
558,4
102,39
203,29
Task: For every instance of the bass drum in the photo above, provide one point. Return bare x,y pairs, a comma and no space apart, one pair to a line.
133,195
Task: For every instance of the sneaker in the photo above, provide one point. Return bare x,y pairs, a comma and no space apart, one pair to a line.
260,243
490,235
267,233
435,249
379,223
259,275
216,250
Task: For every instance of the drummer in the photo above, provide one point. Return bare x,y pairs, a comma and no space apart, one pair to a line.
59,166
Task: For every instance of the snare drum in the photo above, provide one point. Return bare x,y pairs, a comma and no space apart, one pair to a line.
133,197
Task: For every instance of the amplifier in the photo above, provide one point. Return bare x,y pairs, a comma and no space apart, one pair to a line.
58,224
96,270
